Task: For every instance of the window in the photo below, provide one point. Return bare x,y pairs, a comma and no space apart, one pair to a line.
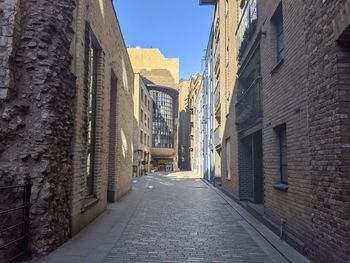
277,20
282,141
141,116
145,100
228,159
162,120
92,55
141,137
141,94
145,138
149,106
145,120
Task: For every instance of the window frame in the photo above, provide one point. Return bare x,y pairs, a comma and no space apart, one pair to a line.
277,21
283,153
92,68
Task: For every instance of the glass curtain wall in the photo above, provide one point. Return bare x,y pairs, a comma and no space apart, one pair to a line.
163,120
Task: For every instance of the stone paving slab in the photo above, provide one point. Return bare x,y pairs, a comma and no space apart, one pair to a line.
178,219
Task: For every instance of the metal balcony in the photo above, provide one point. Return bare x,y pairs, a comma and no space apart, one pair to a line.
207,2
217,29
217,97
248,107
246,26
217,138
217,62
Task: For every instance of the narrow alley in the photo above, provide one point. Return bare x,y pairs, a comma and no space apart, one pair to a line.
174,131
173,218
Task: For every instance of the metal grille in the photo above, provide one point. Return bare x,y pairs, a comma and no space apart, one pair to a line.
248,107
15,221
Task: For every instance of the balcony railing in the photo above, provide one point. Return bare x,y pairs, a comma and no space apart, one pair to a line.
217,96
217,138
217,61
246,26
248,107
217,29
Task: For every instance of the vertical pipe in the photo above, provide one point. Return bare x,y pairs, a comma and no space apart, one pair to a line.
25,228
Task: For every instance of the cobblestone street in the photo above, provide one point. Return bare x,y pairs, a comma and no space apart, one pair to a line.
173,218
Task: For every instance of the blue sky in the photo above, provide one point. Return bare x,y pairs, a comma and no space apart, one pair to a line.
178,28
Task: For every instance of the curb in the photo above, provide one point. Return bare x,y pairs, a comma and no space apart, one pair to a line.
289,253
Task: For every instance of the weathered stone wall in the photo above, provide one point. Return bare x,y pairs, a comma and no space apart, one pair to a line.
36,126
9,10
329,124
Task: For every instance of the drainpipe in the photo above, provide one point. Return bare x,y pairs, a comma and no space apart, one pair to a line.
283,227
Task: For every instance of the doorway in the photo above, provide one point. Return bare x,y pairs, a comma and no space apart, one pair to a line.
251,179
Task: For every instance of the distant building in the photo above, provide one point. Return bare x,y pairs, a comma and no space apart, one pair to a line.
193,123
196,129
184,125
161,77
208,104
143,110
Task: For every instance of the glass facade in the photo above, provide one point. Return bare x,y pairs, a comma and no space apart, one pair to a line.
163,120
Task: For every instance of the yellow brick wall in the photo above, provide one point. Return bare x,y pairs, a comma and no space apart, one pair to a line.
228,69
104,25
139,104
152,64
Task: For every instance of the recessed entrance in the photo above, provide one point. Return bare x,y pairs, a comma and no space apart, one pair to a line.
250,168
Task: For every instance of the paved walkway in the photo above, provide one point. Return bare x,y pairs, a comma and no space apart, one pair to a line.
173,218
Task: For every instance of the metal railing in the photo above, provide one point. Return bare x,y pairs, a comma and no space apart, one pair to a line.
246,26
217,61
16,235
217,29
248,107
217,138
217,96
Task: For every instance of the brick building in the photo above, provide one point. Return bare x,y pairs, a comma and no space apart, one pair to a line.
66,96
184,125
191,134
222,78
143,109
196,105
284,145
161,77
